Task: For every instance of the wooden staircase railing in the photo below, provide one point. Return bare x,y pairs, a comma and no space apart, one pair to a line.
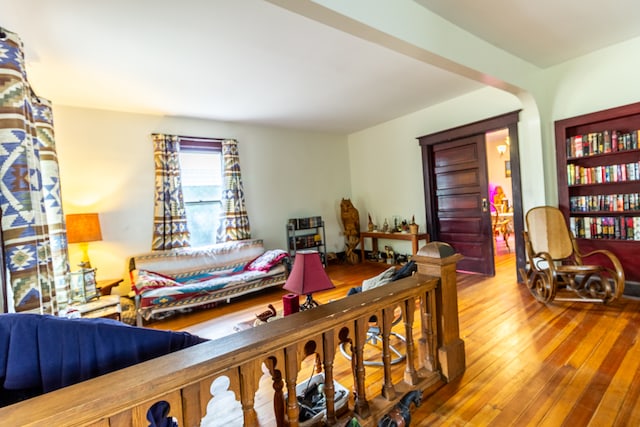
185,379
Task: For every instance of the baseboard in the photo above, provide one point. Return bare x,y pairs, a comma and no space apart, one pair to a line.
632,289
338,257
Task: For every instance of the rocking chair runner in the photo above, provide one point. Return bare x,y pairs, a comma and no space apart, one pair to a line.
554,262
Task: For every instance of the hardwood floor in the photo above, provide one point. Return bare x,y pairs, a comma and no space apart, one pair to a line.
571,364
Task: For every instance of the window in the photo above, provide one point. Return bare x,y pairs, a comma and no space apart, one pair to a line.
201,172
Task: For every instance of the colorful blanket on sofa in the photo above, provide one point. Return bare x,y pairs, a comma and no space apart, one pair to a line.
155,289
190,276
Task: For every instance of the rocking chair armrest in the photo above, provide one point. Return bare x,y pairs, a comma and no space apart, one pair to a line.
546,257
612,258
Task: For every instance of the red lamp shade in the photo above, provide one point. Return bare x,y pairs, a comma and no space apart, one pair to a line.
308,275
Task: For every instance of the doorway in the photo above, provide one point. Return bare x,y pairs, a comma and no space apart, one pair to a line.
456,185
500,191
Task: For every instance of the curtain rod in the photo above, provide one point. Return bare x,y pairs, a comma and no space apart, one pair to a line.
197,138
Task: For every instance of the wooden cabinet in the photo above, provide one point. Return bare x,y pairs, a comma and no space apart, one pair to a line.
598,164
307,234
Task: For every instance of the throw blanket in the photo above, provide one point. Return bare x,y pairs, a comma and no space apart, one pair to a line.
42,353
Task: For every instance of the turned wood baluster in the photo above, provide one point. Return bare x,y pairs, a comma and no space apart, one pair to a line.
278,394
432,330
249,381
357,363
410,373
423,341
291,377
388,391
328,354
427,332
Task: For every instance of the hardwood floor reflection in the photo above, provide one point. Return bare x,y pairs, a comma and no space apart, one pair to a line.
571,364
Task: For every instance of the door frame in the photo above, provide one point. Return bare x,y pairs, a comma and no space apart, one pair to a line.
426,142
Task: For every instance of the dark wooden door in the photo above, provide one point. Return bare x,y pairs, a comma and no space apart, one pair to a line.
454,197
461,194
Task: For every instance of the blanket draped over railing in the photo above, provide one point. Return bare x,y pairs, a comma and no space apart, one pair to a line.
43,353
233,365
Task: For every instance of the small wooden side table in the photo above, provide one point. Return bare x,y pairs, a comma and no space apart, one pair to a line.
104,286
375,235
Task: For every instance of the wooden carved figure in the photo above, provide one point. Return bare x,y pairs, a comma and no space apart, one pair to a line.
351,222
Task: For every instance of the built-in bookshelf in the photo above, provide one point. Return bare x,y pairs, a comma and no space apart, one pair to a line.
598,160
306,234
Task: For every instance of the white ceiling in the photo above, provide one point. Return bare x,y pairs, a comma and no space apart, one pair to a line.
251,61
544,32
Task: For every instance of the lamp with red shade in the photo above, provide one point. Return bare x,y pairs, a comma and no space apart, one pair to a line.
308,276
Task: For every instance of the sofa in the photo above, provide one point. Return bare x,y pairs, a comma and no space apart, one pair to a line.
179,279
43,353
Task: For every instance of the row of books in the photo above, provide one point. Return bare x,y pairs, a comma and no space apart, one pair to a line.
620,228
601,143
605,202
577,174
302,223
306,241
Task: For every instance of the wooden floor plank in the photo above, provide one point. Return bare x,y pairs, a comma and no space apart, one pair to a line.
574,407
527,363
618,393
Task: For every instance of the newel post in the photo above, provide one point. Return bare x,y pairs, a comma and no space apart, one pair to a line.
440,259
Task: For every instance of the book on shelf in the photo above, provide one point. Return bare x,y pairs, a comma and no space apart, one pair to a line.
605,202
617,228
607,141
577,174
307,222
306,241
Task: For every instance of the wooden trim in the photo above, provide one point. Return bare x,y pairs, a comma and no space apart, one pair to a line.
482,126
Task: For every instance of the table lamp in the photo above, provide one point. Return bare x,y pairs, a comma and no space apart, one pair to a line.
308,276
82,229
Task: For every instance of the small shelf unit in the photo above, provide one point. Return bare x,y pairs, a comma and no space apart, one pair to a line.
307,234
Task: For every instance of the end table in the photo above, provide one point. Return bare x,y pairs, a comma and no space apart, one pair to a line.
104,286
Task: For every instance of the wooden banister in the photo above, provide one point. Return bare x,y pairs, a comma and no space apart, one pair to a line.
184,379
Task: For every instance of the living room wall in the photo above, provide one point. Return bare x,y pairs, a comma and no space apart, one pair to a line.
391,184
386,160
106,157
106,166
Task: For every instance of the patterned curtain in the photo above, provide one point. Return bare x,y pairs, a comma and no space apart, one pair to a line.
234,221
169,219
34,236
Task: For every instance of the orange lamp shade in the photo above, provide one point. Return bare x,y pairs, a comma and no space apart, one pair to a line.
83,228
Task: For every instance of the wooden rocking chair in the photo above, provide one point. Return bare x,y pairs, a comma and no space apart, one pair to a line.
555,263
